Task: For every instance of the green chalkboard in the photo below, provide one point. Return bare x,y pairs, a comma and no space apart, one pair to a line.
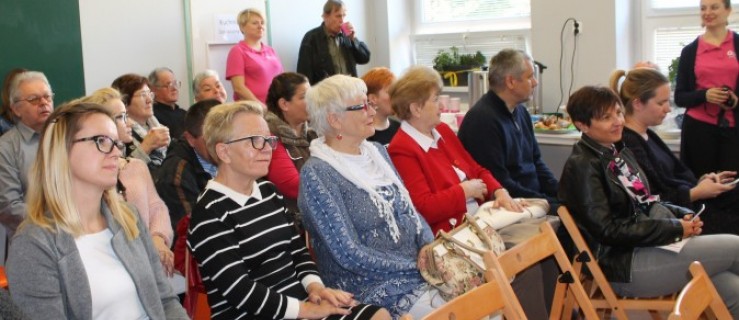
44,35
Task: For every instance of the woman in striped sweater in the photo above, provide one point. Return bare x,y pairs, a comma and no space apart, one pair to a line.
254,265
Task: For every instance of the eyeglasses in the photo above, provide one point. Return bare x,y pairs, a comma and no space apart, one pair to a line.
258,142
172,85
123,117
363,106
145,94
36,100
104,144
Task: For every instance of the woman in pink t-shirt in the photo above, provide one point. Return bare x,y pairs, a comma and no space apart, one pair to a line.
251,64
707,86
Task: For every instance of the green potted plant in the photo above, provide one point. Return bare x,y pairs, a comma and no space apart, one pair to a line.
453,65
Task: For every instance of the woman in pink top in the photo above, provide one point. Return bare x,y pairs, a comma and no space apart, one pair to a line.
135,183
707,86
251,64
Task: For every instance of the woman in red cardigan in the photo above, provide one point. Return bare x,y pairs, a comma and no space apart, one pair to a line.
442,178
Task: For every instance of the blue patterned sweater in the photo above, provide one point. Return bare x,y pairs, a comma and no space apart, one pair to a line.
353,246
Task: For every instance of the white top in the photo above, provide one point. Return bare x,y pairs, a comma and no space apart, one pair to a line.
367,169
113,293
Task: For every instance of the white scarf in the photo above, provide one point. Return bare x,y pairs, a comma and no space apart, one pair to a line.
320,150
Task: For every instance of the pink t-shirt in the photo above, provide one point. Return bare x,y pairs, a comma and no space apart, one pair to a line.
257,67
715,66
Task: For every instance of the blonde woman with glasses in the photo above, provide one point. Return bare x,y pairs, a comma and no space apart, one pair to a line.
82,253
135,183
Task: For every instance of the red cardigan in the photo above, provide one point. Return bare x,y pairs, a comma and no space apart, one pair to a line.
431,180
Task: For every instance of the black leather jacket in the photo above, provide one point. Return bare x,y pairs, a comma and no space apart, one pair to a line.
608,218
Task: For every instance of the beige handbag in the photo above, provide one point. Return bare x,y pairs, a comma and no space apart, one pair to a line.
453,262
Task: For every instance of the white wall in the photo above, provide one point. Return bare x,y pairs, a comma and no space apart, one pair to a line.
605,42
136,36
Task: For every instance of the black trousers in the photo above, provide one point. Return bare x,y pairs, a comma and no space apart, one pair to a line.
707,148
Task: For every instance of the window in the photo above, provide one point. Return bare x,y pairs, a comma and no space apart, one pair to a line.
669,25
470,25
464,10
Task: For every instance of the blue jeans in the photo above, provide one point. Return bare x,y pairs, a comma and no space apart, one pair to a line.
657,272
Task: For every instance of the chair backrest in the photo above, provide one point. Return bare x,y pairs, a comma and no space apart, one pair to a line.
698,296
609,300
539,247
487,299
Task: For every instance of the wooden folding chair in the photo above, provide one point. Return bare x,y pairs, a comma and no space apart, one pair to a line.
493,296
537,249
699,296
600,291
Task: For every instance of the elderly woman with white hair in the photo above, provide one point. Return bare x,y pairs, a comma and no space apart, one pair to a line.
207,85
365,232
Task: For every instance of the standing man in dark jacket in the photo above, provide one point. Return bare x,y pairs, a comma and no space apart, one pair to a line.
331,48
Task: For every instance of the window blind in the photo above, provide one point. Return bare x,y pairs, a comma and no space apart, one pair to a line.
434,11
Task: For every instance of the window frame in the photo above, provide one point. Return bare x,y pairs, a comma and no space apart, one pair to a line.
425,28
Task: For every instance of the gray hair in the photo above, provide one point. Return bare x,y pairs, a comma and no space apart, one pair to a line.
506,62
154,75
330,96
332,5
202,76
23,77
218,124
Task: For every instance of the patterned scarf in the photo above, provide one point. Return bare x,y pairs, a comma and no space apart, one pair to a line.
631,181
320,150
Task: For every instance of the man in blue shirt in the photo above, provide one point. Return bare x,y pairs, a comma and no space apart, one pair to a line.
498,133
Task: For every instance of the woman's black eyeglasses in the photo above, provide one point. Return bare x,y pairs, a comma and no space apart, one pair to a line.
257,141
104,144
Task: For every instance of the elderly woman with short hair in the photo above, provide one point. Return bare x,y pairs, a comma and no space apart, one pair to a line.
252,261
365,232
207,85
150,137
445,182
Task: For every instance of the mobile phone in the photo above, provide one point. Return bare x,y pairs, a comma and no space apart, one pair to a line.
345,29
703,208
730,100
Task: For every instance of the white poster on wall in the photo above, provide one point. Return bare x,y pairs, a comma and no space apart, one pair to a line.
226,28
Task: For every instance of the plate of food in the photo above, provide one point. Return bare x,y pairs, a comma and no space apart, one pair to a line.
554,124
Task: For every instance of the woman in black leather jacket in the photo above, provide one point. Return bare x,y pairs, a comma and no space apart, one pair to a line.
624,224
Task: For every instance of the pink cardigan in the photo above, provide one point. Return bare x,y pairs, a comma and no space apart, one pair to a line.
140,192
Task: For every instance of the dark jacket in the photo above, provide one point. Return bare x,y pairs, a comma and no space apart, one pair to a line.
686,94
180,180
314,60
504,143
671,185
609,219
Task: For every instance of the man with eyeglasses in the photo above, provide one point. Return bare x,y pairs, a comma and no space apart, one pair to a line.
331,48
166,93
31,101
